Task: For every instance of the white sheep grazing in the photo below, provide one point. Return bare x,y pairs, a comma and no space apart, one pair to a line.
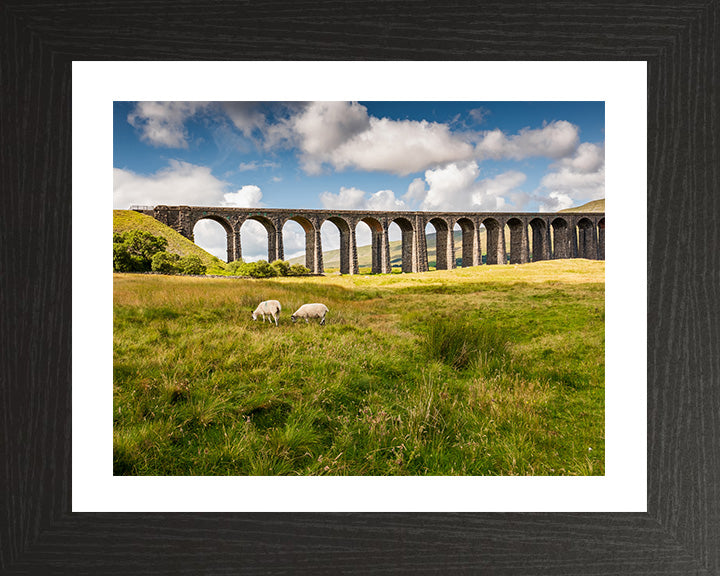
310,311
269,307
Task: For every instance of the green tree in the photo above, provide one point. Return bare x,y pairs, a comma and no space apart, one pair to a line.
192,265
133,250
165,262
123,261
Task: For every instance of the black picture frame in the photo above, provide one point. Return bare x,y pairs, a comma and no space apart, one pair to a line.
680,533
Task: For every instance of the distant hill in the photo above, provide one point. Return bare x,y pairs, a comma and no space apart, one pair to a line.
592,206
177,243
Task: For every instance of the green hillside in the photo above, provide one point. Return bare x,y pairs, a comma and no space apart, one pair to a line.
130,220
592,206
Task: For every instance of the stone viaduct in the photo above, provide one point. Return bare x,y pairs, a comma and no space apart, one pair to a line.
533,236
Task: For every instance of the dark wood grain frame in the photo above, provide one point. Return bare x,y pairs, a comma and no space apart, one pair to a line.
680,533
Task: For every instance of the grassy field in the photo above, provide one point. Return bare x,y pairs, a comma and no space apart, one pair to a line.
492,370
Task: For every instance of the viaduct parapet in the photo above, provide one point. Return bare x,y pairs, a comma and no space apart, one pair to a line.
550,234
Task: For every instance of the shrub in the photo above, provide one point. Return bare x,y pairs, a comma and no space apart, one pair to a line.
260,269
281,267
298,270
133,250
191,265
165,262
216,266
234,268
217,269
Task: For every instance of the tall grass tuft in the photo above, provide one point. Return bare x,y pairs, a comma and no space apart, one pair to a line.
462,344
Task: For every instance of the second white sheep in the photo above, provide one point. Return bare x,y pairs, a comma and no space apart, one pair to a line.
308,311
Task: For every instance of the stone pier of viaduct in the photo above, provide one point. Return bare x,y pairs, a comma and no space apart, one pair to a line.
532,236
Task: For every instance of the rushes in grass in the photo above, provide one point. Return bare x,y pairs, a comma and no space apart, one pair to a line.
265,463
463,344
296,438
423,417
206,410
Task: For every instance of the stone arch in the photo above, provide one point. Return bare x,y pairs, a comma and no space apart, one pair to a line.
408,242
470,245
601,239
562,238
226,226
444,244
275,248
378,259
540,240
587,239
348,250
518,241
311,240
495,241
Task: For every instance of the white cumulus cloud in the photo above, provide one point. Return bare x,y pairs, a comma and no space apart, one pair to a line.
346,199
501,192
588,158
416,191
554,140
179,183
343,135
246,116
163,123
248,196
574,180
385,200
555,201
458,187
323,126
356,199
450,187
400,147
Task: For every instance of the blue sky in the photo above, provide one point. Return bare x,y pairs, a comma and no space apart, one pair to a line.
456,156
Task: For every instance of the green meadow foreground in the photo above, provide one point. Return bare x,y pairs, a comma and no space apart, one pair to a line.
492,370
